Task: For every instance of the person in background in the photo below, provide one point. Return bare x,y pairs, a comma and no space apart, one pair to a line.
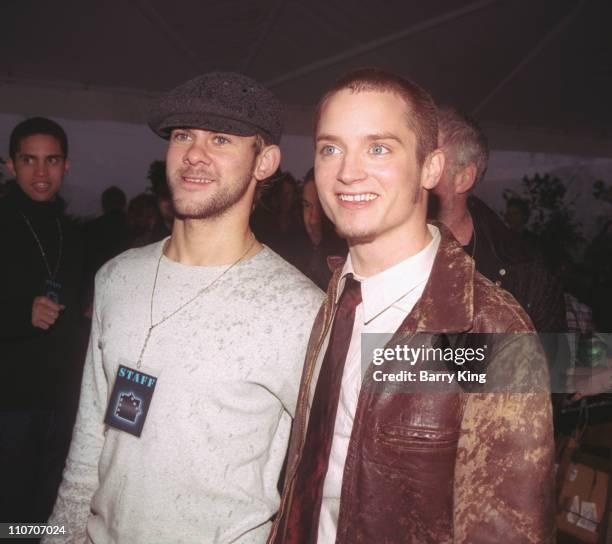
275,217
141,218
500,254
322,241
105,236
41,278
517,217
159,186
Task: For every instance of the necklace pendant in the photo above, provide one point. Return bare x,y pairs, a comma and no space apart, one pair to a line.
52,290
144,347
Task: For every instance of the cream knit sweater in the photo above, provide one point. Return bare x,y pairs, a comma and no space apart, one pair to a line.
206,467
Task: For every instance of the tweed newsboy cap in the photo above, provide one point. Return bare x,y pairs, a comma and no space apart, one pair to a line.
222,102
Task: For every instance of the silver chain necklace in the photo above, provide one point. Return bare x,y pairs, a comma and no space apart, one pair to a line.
42,250
182,306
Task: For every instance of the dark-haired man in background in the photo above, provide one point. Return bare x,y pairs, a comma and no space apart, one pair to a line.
159,186
104,237
40,282
321,239
517,217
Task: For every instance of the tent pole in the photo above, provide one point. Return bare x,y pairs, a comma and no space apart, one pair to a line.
565,20
180,45
268,25
381,42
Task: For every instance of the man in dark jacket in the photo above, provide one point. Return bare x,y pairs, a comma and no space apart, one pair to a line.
104,238
500,254
40,279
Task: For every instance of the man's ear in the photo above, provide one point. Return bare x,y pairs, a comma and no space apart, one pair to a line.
67,165
465,179
267,163
432,169
11,167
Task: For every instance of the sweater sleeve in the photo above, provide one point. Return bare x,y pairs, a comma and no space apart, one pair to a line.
80,478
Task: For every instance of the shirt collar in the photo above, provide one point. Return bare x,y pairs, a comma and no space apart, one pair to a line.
389,287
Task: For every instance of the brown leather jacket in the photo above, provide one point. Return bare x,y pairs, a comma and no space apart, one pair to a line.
439,468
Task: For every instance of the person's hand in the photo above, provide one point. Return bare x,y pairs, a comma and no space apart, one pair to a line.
586,382
45,312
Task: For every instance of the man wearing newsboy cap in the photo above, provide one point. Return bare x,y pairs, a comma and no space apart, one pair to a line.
196,347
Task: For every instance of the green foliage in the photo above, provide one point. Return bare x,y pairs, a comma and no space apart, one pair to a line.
552,212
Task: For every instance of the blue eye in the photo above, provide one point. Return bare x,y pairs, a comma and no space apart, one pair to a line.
180,136
378,149
329,150
221,140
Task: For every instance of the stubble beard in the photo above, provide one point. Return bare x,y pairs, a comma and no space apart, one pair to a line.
356,234
211,206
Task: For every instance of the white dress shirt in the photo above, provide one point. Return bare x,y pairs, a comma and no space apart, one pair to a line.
387,298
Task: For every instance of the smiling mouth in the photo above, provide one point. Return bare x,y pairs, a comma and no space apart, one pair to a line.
360,197
42,186
200,181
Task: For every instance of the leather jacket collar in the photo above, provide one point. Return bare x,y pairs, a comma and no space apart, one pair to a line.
447,304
